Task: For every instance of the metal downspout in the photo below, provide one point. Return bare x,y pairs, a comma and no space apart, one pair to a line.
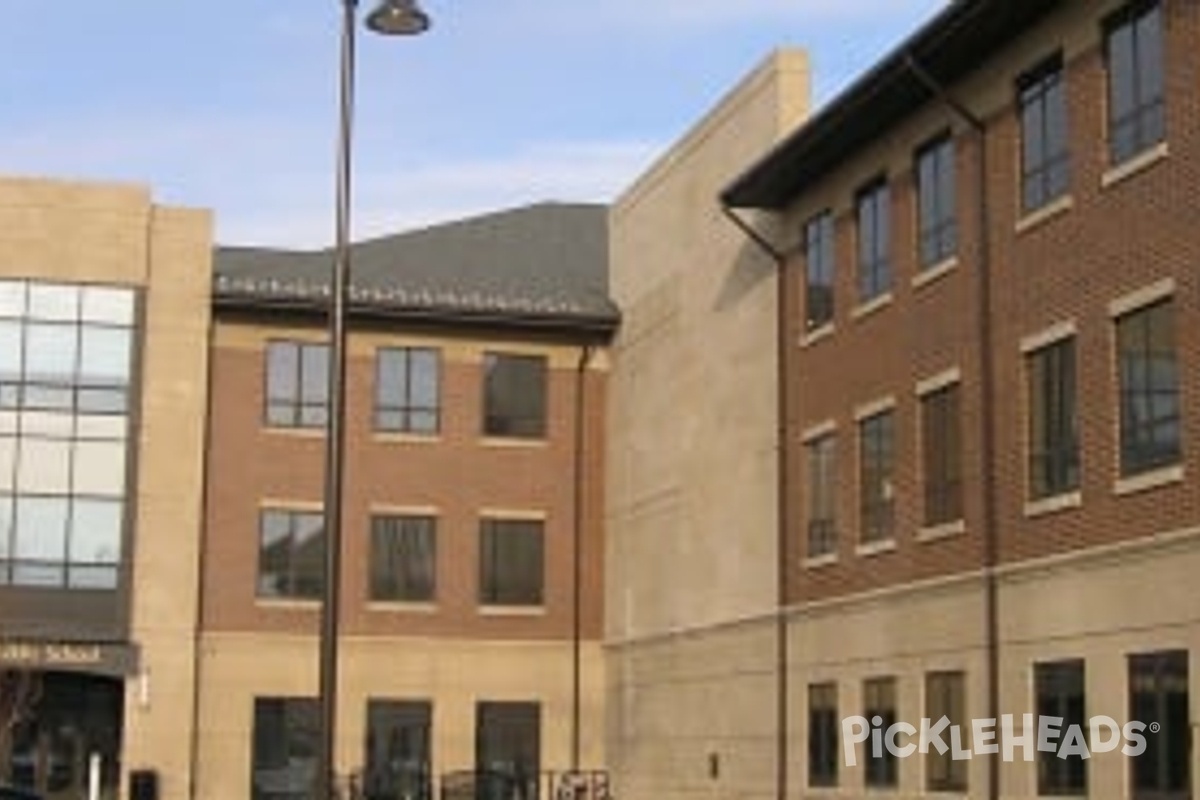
781,499
585,356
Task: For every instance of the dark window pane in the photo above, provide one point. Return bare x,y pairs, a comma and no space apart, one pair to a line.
1053,437
1135,80
398,750
819,297
507,750
1149,381
879,695
291,554
876,456
1059,689
1044,151
822,497
514,395
1159,692
942,444
824,752
945,696
874,269
403,558
511,562
935,202
286,744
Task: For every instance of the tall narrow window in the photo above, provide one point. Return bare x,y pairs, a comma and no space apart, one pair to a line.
876,460
508,742
822,495
286,740
291,555
1149,379
819,252
879,702
823,722
1059,686
398,749
945,696
1053,436
1159,693
511,562
941,442
403,558
937,229
514,397
874,241
1136,100
297,384
1045,158
407,389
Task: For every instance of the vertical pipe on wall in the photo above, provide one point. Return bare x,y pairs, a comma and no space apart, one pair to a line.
579,466
986,410
781,498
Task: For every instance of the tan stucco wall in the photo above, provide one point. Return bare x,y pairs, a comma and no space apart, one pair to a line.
691,505
57,230
677,703
692,397
452,674
1100,605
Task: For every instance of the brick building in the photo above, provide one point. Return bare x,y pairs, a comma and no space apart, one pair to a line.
992,403
476,373
104,317
162,412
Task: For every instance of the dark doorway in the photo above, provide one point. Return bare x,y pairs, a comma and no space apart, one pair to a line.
398,750
70,719
508,750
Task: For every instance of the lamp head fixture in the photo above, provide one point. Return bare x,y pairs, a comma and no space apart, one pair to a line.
398,18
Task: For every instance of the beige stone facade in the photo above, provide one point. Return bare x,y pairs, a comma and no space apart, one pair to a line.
114,235
1089,577
691,502
452,675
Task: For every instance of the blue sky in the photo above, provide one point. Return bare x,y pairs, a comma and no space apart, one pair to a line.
230,104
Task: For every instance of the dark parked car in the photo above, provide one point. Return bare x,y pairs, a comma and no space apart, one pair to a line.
13,793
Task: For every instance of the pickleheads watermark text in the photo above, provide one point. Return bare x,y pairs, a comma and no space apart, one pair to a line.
1046,735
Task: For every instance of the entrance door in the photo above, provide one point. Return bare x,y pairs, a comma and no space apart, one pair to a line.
72,717
508,750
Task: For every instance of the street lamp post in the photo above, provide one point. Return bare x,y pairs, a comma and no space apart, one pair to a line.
391,18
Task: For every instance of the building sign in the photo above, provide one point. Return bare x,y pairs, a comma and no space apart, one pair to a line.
104,659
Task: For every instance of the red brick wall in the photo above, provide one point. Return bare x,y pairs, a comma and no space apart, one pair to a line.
456,473
1112,241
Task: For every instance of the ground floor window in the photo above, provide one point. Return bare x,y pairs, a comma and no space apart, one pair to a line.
64,723
398,750
507,750
286,743
1158,693
1060,694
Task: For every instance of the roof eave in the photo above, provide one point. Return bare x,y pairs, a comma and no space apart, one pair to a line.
591,325
887,93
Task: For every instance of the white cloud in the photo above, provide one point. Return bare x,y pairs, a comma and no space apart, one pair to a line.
270,186
298,213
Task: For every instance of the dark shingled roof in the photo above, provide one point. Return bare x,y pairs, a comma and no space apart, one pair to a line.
539,266
948,47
